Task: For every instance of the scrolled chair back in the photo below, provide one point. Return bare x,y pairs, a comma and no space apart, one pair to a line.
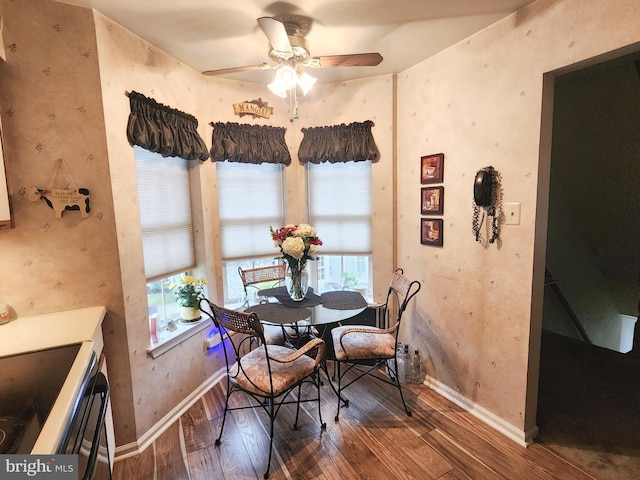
402,290
229,323
253,276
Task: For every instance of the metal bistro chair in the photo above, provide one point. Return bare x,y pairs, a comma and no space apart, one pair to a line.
365,349
252,277
268,373
272,275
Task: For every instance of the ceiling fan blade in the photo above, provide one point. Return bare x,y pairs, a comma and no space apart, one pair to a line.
353,60
248,68
276,33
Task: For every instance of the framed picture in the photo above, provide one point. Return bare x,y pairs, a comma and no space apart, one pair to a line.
432,200
432,168
431,231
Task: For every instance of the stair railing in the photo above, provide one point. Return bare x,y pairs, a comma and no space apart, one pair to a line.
553,283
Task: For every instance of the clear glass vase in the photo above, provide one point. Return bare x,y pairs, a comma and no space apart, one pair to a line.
297,283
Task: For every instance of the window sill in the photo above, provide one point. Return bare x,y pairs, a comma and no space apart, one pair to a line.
166,340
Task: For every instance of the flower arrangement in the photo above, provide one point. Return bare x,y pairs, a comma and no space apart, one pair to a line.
189,290
298,244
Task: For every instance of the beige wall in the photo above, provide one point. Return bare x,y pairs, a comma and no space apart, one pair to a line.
51,110
481,103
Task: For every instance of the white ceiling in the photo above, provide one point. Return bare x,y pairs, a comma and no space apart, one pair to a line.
216,34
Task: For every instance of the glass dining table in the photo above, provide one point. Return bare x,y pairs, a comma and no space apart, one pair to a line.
310,316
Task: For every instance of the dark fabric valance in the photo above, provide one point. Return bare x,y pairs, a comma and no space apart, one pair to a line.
339,143
164,130
244,143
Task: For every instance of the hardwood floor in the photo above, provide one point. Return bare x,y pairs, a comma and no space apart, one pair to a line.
374,439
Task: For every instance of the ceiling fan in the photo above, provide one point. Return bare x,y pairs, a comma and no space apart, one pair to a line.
286,35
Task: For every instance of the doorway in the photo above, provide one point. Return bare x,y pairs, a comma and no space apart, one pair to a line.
594,201
585,404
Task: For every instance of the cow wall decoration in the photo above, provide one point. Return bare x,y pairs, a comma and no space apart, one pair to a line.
61,199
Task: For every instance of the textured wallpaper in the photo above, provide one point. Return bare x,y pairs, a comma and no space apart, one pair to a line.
54,135
481,103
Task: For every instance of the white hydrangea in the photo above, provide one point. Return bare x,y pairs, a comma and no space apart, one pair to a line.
293,246
305,231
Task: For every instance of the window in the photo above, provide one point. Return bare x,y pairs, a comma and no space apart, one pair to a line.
164,200
337,272
340,211
250,200
234,291
161,300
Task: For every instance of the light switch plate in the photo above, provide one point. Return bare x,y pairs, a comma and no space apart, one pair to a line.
512,214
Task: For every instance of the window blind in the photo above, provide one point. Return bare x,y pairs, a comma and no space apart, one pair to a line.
250,200
164,200
340,206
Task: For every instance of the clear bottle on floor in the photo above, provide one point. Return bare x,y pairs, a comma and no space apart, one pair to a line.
416,367
400,363
406,363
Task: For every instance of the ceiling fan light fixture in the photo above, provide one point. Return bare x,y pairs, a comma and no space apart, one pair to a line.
277,89
286,77
305,82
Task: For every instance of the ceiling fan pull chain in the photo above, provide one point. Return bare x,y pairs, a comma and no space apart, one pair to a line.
294,102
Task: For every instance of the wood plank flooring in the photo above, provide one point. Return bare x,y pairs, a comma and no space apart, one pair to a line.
374,439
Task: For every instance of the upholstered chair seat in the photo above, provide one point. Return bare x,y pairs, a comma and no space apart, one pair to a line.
286,370
362,342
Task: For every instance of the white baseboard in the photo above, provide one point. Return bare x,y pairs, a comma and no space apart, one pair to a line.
524,438
135,448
